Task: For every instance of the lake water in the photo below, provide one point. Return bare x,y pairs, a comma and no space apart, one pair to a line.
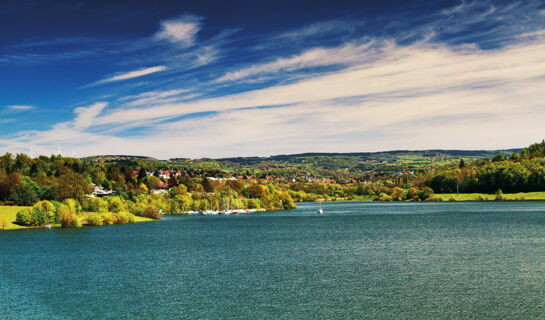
358,260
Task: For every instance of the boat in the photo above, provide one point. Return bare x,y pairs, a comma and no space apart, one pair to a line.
321,211
47,226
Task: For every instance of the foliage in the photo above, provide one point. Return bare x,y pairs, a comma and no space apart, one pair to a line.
23,194
94,219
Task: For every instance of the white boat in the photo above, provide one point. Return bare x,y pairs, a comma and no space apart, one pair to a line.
321,211
47,226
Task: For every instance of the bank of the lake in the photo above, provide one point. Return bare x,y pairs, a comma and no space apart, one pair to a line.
520,196
8,215
477,260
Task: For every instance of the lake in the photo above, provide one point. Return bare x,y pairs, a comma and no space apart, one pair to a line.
358,260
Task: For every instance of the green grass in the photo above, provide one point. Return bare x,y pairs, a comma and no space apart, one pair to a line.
508,196
8,213
7,218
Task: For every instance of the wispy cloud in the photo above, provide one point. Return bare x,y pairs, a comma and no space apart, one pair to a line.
6,120
84,117
471,70
153,97
132,74
320,29
182,30
20,107
344,55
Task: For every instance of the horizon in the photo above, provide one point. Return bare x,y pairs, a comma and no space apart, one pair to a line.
287,155
222,80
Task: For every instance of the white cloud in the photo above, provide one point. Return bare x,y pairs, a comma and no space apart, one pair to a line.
319,29
181,31
133,74
86,115
20,107
408,71
396,97
345,55
154,97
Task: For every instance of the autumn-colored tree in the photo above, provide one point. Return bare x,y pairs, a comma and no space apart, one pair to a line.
7,183
72,185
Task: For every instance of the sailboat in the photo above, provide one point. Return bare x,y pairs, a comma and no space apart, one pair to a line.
321,211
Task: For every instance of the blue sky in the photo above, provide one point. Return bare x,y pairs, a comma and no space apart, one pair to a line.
227,78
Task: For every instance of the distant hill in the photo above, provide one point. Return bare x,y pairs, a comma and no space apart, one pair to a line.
372,155
336,164
111,158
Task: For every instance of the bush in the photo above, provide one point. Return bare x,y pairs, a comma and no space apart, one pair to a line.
124,217
432,198
108,218
24,217
67,218
383,197
499,195
151,212
43,213
116,204
94,219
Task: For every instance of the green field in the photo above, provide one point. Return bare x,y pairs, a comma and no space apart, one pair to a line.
475,196
7,218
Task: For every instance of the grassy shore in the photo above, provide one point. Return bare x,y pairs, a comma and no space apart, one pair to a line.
7,217
8,213
482,196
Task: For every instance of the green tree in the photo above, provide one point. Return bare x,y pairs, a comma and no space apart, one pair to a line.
462,163
23,194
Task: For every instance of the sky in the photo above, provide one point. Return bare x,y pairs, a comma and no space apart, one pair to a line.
254,78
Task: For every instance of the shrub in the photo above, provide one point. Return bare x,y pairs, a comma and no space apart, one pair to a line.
383,197
499,195
432,198
108,218
116,204
67,218
124,217
24,217
151,212
94,219
43,213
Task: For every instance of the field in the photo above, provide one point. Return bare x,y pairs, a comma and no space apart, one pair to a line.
7,217
506,196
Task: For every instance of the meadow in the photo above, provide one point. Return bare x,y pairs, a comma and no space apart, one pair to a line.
8,214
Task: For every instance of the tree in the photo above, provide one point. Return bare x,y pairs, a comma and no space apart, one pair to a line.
188,182
499,157
7,183
43,213
142,189
142,174
72,185
67,217
462,164
23,194
24,217
207,185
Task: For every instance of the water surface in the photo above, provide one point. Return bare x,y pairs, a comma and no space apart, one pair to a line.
358,260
